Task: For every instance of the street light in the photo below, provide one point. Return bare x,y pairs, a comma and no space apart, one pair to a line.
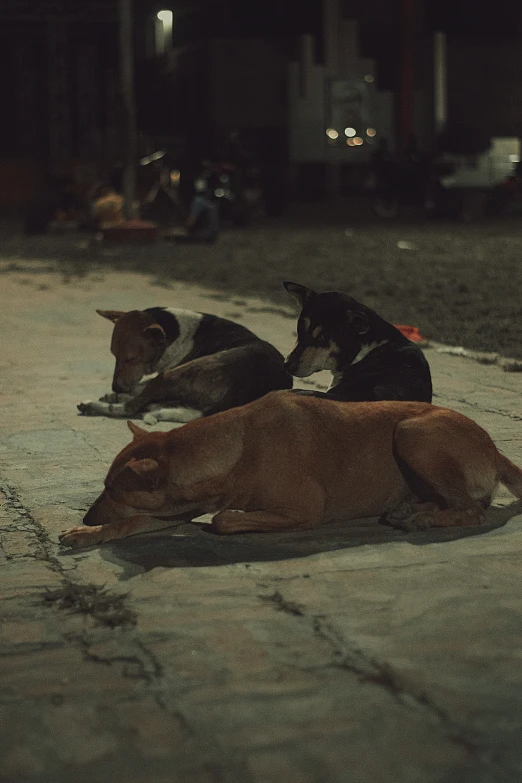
165,17
164,31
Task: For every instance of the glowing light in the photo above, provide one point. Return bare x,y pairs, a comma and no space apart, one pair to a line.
175,176
369,78
165,17
514,159
163,32
350,142
371,132
358,141
151,158
332,133
350,132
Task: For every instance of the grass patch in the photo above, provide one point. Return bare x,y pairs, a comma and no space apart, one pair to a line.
282,605
104,607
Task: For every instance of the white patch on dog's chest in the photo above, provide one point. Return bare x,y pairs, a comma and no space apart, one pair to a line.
175,353
366,349
336,379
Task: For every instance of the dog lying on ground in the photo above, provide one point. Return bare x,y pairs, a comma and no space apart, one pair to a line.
370,359
292,462
204,364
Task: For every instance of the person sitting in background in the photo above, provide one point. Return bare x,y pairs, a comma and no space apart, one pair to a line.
107,207
202,224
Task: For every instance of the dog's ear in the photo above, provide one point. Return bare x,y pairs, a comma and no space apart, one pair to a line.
358,320
148,470
299,292
138,474
138,432
112,315
155,333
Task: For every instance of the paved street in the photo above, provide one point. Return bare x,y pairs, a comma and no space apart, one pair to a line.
349,654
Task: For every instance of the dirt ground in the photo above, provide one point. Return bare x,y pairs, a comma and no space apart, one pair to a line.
459,283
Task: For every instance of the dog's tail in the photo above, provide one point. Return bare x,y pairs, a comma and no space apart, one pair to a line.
510,475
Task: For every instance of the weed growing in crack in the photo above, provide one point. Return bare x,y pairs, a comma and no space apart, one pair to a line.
104,607
282,605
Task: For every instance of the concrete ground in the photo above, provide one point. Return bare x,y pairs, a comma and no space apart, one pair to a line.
353,653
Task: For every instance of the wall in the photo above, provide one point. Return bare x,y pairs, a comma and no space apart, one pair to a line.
248,86
485,86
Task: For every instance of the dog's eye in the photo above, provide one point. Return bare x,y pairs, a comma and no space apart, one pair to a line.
324,337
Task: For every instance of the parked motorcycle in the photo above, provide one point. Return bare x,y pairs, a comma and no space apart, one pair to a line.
226,183
409,183
505,194
159,188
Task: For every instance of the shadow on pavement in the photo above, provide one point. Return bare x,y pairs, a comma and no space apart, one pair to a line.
190,546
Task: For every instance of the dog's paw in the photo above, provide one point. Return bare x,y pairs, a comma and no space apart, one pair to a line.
149,418
419,521
78,537
410,517
86,408
109,397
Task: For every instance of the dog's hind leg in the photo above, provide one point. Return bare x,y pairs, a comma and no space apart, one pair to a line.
450,463
129,405
178,414
227,522
196,386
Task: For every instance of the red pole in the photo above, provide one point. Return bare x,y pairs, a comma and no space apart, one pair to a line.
407,35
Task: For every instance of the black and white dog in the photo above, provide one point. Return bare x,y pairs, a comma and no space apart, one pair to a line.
202,364
370,359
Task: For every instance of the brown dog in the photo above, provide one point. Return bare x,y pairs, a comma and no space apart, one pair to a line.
292,462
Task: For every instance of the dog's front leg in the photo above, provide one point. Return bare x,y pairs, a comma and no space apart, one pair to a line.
227,522
78,537
100,408
114,404
115,397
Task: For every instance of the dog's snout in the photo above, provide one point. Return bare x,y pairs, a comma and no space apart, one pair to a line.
103,510
118,384
293,360
89,517
290,364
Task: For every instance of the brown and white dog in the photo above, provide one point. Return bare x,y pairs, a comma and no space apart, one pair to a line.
290,462
203,364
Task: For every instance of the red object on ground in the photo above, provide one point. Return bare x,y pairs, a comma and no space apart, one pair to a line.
132,231
411,332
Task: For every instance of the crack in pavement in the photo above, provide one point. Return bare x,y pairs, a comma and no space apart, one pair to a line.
382,674
136,660
477,406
